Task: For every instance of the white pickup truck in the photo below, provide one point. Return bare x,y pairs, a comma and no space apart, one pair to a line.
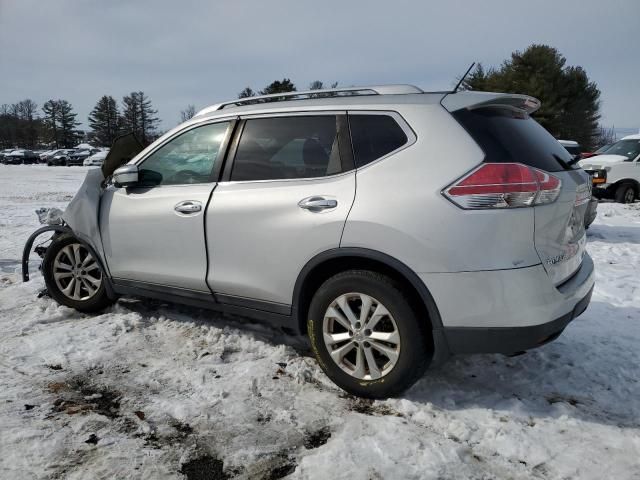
615,173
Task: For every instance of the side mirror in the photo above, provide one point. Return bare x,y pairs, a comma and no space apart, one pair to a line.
125,176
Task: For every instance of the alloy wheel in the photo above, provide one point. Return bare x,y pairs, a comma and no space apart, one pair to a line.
361,336
76,272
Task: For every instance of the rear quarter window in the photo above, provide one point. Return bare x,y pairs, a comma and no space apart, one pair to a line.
508,135
373,136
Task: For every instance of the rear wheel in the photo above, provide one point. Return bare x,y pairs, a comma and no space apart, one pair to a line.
365,335
73,276
625,193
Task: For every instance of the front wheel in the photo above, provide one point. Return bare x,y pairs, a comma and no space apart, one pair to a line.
625,193
73,276
366,336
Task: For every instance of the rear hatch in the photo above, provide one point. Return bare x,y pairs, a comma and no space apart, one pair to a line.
507,134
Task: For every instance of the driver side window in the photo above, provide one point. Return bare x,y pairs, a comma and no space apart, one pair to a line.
186,159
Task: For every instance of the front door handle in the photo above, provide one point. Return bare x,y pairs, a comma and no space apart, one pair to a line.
188,206
317,204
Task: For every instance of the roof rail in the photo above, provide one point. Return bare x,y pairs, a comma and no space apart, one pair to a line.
310,94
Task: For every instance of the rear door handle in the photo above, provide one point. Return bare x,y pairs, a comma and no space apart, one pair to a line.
317,204
188,206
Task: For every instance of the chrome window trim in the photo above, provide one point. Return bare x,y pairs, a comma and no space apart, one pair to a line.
412,137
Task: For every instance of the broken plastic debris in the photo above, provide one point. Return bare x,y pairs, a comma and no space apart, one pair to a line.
49,216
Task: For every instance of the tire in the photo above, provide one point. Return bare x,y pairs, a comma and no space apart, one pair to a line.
379,375
61,259
625,193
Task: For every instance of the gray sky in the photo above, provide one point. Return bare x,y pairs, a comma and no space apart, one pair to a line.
201,52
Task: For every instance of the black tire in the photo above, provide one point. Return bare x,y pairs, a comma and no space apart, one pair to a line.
414,353
95,303
625,193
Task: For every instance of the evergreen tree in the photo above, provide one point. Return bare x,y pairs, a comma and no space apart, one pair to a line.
51,119
69,134
278,86
247,92
570,102
104,120
139,117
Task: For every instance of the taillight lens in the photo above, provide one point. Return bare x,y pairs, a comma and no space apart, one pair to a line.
504,185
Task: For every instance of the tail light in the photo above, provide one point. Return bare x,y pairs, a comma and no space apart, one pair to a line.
504,185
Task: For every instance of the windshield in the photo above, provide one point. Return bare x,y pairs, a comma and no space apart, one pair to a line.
626,148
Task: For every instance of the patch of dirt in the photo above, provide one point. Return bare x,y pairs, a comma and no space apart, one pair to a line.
205,467
562,399
79,396
368,407
281,471
317,439
182,431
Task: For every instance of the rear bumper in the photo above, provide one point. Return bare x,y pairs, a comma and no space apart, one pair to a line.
507,311
511,340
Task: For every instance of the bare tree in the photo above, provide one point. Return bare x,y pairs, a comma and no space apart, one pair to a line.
605,136
188,113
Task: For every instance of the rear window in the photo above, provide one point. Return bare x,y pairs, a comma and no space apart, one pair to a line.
507,135
374,136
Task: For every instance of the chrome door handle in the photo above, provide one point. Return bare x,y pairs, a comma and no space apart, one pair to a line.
188,206
317,204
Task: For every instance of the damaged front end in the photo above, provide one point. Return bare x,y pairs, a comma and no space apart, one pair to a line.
81,217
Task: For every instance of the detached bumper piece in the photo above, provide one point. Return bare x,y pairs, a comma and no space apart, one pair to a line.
510,340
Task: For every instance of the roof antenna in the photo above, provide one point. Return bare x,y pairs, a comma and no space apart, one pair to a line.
463,77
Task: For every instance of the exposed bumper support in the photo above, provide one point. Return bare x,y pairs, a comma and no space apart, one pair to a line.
27,247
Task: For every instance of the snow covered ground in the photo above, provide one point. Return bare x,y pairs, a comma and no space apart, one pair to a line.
149,390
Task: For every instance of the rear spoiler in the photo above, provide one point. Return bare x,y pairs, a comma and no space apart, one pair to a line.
473,100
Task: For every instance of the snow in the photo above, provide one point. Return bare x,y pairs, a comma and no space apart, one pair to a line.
150,390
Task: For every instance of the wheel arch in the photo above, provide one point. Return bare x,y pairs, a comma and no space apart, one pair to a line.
628,181
330,262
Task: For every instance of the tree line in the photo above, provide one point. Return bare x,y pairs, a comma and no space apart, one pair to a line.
55,125
570,105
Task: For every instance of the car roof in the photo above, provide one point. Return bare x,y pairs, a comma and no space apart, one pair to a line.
569,143
632,137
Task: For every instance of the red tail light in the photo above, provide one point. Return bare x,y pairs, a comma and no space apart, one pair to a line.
504,185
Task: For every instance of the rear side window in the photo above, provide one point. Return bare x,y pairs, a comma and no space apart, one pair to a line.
288,147
507,135
374,136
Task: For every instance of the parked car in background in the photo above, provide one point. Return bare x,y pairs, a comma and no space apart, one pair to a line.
20,157
43,156
615,172
252,207
5,152
78,157
59,157
572,147
97,159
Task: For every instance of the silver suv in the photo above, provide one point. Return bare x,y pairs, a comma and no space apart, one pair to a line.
392,226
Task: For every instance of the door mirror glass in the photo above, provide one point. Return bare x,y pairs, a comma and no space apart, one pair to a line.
126,176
